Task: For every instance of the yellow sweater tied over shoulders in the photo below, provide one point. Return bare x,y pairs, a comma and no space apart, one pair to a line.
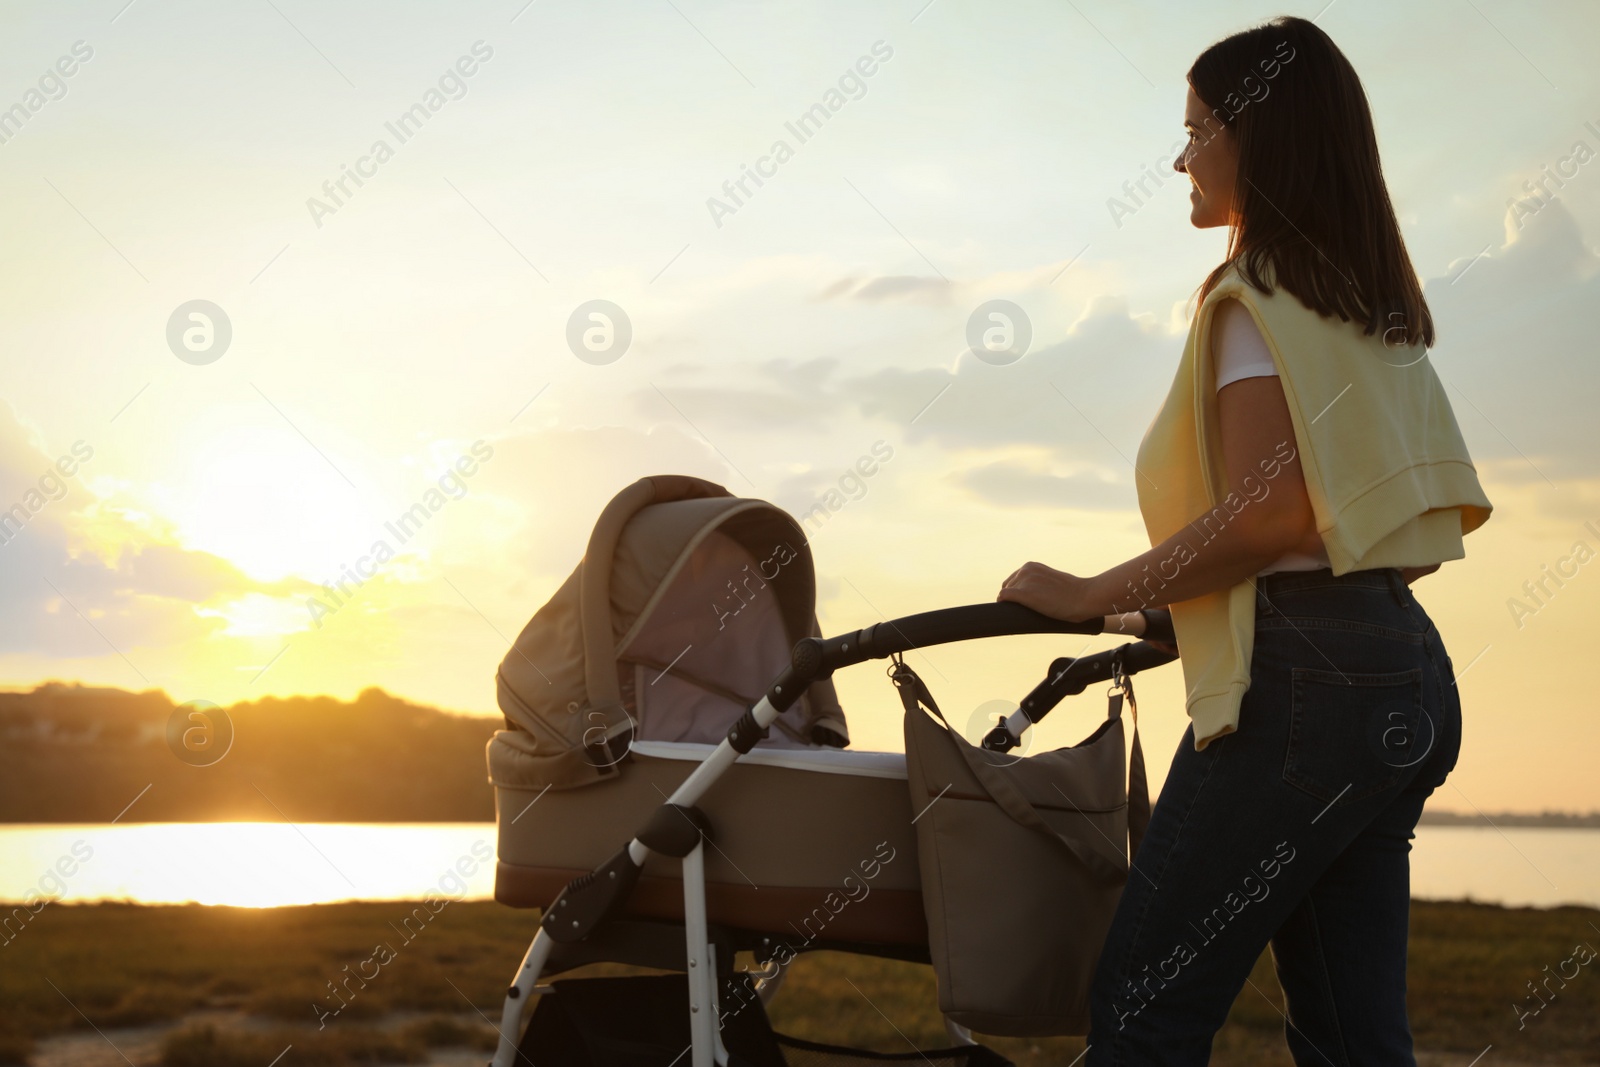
1385,466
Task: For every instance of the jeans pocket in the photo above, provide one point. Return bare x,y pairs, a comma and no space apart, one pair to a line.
1353,735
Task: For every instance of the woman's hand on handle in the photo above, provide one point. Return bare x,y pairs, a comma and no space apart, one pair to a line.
1061,596
1051,592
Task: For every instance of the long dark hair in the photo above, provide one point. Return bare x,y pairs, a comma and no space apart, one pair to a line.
1312,214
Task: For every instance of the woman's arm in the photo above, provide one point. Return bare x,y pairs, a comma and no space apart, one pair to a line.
1275,518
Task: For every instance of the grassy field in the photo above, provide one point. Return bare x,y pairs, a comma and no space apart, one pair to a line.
235,986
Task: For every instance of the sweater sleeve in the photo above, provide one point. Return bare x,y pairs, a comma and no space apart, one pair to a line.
1239,349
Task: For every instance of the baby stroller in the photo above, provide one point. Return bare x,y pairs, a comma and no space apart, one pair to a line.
673,787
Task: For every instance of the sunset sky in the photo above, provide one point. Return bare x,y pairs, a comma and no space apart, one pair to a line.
384,331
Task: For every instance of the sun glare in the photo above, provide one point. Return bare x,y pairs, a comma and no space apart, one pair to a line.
243,503
252,864
258,615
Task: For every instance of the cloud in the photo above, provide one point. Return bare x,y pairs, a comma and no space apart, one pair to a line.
88,577
892,287
1010,484
1088,395
79,574
786,393
1516,339
1516,330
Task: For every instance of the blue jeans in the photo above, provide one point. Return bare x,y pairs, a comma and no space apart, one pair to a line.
1293,831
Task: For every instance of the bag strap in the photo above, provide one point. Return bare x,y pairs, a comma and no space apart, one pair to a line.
1001,789
1138,784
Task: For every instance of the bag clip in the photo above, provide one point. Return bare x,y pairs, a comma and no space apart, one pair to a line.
1121,686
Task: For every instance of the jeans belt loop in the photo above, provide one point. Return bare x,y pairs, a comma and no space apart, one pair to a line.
1397,585
1264,602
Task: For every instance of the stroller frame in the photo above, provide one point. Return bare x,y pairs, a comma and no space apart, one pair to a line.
678,829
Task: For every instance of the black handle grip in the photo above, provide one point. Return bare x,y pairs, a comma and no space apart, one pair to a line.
817,657
1158,626
966,623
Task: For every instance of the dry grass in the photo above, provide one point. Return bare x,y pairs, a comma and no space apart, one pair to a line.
126,965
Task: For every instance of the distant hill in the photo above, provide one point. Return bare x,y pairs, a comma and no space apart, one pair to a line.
1560,820
71,753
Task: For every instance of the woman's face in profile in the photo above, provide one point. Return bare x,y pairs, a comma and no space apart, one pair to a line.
1211,161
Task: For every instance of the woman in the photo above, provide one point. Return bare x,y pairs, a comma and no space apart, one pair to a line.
1304,469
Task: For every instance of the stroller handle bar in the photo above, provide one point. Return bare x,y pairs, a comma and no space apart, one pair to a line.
816,657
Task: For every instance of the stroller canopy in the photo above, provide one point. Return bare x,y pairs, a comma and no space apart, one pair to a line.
684,608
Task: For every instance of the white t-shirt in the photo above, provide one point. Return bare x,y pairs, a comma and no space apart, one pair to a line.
1240,351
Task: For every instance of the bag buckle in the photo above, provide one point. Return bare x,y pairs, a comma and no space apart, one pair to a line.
1121,688
1119,674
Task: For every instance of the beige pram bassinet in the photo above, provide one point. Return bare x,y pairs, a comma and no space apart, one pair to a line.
701,595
